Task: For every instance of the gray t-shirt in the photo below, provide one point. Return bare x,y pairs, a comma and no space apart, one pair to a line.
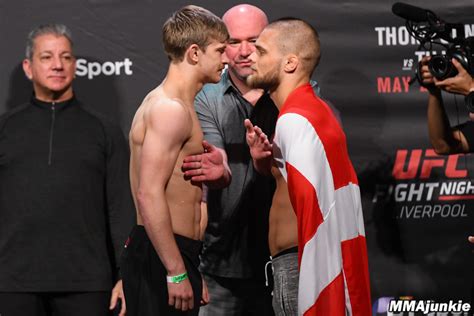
236,238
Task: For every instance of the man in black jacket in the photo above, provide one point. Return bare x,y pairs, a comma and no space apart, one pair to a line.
65,202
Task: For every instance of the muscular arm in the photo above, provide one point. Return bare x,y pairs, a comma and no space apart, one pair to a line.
159,152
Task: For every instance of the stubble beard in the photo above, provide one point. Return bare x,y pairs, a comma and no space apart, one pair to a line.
268,82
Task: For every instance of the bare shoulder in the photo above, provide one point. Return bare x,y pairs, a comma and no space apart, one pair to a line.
165,109
161,112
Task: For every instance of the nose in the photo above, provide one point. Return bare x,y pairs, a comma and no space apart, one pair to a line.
224,58
253,57
245,48
57,63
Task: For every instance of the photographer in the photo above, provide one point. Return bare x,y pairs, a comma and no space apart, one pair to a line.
446,139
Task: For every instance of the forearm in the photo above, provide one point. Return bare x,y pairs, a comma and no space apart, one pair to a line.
263,166
155,215
440,131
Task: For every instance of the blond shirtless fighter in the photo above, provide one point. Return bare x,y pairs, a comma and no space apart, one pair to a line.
160,263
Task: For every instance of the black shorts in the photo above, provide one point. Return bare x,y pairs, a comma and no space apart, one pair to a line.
144,275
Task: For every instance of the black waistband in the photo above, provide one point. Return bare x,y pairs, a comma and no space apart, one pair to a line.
286,251
191,246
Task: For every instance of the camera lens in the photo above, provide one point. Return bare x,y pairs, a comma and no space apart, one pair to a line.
440,67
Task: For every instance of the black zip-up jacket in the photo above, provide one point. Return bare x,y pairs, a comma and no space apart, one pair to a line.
65,201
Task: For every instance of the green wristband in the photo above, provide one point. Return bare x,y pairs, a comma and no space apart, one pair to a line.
177,278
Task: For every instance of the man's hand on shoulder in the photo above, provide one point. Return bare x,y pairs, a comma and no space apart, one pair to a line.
209,167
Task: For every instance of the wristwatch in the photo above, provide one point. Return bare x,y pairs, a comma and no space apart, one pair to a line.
469,100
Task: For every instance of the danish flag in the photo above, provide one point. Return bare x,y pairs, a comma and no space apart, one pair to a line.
311,152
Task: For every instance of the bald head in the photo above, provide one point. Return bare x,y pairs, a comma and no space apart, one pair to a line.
244,22
245,14
303,42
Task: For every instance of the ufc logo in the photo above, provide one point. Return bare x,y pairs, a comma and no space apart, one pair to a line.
421,164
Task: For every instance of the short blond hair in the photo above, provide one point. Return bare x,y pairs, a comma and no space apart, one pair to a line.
191,25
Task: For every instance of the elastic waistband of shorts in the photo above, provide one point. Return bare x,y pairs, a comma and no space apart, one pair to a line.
191,246
286,251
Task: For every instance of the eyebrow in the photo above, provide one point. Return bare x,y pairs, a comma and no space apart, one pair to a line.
260,48
231,39
51,52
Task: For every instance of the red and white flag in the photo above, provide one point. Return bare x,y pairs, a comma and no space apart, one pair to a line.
311,152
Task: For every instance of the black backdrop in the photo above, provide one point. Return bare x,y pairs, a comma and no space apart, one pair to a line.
418,207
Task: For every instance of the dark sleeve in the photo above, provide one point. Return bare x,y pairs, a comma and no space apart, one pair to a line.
265,114
120,208
467,129
206,113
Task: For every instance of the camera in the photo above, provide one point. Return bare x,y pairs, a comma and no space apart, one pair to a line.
441,66
431,31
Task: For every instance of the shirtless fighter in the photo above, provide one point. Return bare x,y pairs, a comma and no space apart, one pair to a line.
309,149
160,265
283,231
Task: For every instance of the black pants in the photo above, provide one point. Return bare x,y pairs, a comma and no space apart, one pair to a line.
144,275
55,304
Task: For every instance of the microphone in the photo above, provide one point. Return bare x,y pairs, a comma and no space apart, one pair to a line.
411,13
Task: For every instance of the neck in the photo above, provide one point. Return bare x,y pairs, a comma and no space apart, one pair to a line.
251,95
53,96
281,93
179,86
239,83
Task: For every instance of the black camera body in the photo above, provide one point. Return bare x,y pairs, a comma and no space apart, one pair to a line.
429,30
441,66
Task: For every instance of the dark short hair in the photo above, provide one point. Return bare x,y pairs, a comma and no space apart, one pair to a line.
53,28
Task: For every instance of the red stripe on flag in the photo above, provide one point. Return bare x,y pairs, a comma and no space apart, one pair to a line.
356,272
331,301
305,203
